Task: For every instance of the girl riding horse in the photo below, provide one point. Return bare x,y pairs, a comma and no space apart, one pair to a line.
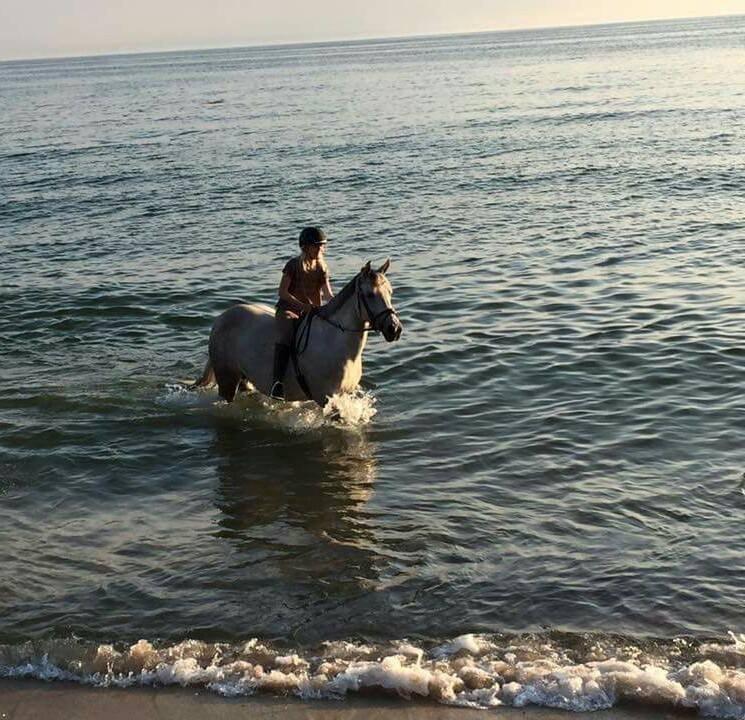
328,358
303,288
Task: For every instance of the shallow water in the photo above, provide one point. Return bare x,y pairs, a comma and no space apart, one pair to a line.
554,445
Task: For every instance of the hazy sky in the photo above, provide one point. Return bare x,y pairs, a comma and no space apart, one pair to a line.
45,28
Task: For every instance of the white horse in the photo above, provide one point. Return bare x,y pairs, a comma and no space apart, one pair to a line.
327,348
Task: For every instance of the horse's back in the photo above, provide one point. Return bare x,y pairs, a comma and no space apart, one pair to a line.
242,316
242,328
241,345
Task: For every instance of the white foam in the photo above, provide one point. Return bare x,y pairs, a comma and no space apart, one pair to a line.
353,409
343,410
180,395
469,671
392,673
738,641
473,644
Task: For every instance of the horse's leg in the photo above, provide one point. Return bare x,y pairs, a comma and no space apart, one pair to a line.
207,379
227,382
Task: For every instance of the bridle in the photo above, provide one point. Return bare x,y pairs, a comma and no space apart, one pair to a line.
302,336
374,320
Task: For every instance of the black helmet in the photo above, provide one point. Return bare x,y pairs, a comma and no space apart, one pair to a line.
312,236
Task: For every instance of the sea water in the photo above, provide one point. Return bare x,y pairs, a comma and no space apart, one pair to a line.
537,499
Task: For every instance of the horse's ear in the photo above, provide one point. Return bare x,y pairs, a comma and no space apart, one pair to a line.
366,268
383,269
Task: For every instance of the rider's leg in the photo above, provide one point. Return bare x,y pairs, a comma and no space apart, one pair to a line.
283,337
281,360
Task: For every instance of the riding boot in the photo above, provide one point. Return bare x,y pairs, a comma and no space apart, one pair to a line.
281,358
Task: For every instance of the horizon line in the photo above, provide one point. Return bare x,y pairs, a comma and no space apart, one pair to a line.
334,41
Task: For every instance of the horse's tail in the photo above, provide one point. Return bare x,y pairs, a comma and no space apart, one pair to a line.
207,378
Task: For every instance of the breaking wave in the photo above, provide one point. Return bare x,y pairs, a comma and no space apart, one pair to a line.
570,672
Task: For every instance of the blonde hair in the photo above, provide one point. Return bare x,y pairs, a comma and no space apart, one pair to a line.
306,262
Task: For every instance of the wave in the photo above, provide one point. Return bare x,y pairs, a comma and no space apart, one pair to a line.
558,670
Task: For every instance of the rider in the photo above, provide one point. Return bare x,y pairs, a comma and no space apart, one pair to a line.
304,286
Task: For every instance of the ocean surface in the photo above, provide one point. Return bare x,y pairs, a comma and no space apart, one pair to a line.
538,496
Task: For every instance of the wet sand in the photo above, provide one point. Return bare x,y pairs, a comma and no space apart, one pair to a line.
33,700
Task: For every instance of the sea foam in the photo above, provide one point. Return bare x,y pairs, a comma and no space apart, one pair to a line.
470,670
349,410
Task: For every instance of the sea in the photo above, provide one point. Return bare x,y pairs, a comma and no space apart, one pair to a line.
537,495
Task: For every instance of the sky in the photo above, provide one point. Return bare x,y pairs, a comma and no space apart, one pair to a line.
51,28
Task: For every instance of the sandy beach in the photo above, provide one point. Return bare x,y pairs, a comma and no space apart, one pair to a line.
33,700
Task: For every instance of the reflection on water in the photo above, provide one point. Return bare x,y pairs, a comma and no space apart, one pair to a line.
294,508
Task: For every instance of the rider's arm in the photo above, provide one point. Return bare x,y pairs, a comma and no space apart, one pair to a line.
285,294
326,291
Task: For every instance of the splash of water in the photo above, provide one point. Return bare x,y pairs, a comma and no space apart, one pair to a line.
352,409
180,395
349,410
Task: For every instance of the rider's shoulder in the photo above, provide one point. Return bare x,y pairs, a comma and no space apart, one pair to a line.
291,266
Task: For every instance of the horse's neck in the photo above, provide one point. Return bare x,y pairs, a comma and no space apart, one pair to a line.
342,311
348,316
344,308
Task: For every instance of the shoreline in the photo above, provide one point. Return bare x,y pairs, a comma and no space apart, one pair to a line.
39,700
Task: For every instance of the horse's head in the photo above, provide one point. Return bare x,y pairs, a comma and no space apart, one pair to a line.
375,300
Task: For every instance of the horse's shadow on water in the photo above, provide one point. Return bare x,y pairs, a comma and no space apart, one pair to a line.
294,507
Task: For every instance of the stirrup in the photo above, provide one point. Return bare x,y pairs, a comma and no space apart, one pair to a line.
278,391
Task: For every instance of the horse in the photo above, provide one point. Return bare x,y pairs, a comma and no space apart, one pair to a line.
327,347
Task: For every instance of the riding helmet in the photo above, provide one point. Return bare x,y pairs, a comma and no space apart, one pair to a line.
312,236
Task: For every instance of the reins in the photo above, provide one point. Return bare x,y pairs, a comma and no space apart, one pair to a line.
303,334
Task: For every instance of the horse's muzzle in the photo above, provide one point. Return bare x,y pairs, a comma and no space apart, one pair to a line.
393,329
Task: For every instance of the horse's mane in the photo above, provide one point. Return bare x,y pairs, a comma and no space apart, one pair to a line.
337,302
